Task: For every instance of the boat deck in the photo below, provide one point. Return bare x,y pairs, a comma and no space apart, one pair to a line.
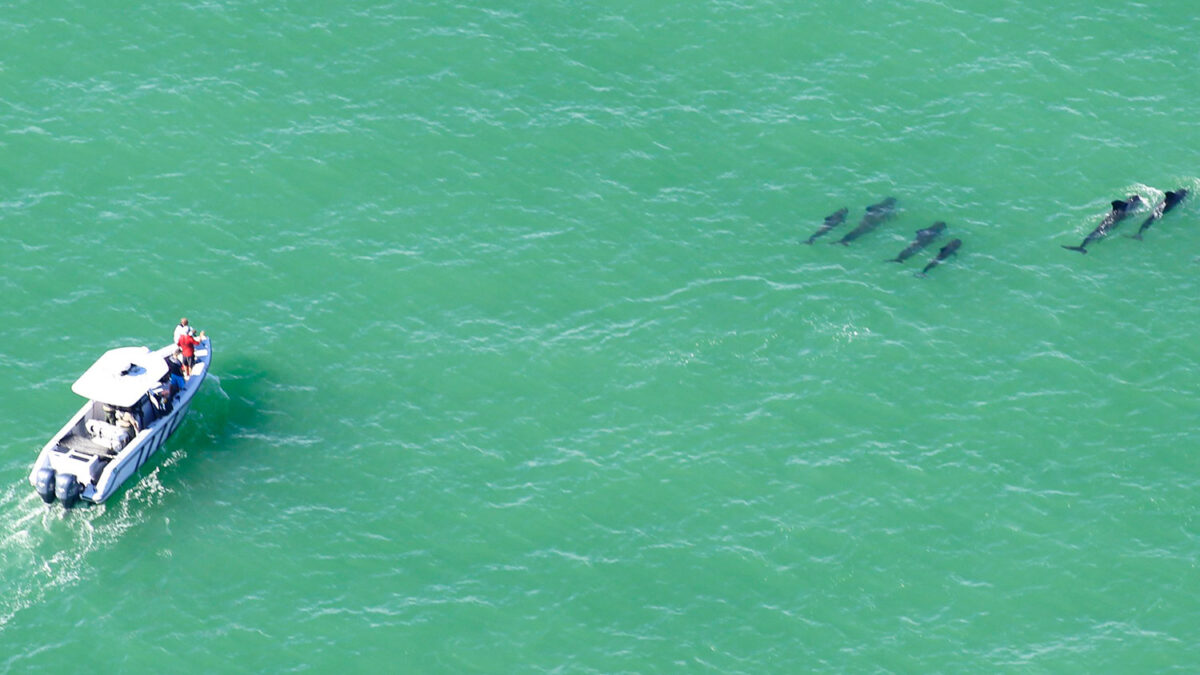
84,446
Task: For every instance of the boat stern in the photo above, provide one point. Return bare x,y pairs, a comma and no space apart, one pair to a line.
65,476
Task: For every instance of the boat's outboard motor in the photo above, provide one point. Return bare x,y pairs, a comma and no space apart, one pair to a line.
67,489
45,484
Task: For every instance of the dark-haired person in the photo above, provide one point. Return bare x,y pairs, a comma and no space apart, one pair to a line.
175,371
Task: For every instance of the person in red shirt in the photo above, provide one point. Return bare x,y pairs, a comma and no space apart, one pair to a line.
187,344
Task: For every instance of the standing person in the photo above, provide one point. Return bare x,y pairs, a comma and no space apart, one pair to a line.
182,328
175,369
187,346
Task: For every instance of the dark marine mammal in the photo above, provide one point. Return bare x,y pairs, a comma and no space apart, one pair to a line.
876,214
1170,199
1120,209
924,236
831,221
946,251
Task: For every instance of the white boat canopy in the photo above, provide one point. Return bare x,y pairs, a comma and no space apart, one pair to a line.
122,376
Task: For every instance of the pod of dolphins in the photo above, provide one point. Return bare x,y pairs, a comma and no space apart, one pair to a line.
876,214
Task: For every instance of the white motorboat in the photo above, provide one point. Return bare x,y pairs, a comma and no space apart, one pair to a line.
129,415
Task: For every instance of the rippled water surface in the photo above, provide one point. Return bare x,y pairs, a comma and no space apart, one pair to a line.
521,364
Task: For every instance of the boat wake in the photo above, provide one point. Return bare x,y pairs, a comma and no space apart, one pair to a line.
45,549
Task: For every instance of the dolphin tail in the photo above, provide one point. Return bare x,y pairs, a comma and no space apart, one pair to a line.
1076,248
1137,236
920,275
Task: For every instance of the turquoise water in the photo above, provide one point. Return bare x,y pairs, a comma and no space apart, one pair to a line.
521,365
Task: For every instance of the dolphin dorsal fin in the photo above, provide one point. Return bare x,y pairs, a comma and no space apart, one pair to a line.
1118,204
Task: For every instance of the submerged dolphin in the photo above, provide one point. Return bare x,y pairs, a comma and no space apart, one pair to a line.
923,238
1119,211
947,251
876,214
831,221
1169,201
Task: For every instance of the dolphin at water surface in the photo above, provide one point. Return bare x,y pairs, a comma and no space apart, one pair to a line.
947,251
831,221
876,214
1120,209
1168,202
924,236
